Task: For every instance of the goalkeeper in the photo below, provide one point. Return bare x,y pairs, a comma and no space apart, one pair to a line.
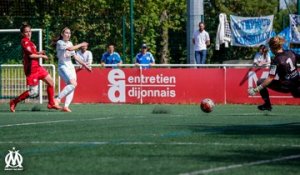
283,66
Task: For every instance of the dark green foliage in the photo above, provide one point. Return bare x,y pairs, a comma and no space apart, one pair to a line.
100,23
160,24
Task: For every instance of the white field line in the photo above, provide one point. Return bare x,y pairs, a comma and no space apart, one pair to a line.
54,121
50,122
73,120
224,168
142,143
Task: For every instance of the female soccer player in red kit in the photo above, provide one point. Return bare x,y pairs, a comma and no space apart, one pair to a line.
284,65
33,71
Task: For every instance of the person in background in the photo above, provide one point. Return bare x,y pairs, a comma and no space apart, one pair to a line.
262,57
144,57
85,55
110,56
201,40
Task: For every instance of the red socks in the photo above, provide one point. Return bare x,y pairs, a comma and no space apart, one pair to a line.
22,97
50,91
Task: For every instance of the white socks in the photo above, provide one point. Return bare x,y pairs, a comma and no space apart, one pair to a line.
69,99
66,92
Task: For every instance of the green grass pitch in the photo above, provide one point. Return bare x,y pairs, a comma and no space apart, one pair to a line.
121,139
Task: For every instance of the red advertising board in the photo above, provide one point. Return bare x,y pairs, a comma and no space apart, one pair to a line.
149,85
238,80
172,85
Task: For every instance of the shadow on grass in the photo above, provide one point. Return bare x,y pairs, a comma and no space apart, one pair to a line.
242,156
292,129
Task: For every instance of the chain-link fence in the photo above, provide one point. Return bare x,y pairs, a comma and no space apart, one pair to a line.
86,29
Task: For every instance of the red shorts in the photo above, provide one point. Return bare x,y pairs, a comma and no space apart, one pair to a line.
36,75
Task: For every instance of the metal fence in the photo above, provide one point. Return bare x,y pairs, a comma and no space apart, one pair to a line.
13,82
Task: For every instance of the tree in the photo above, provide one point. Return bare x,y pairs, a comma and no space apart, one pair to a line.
99,22
154,21
244,8
160,24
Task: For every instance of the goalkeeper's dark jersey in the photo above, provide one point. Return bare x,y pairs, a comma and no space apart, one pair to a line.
285,66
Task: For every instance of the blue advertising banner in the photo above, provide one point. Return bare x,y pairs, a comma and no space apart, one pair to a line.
250,31
295,28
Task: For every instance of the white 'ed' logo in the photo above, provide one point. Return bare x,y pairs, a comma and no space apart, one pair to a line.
116,92
13,160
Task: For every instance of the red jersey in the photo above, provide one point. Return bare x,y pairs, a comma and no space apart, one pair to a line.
30,65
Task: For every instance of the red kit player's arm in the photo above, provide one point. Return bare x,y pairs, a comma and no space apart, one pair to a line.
37,56
31,51
41,52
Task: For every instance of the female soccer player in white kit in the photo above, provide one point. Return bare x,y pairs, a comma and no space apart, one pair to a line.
65,51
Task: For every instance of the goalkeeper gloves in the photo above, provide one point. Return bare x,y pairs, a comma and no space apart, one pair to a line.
252,91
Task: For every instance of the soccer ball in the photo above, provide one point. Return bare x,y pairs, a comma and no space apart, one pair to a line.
207,105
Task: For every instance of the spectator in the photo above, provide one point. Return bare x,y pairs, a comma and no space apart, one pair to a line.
201,40
144,57
111,57
85,55
262,57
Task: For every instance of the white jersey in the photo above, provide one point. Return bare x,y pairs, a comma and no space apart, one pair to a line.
86,57
66,68
63,55
200,40
258,58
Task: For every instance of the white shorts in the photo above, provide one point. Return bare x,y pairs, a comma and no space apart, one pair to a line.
67,73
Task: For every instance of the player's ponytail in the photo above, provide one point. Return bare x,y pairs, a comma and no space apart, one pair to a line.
23,26
54,41
60,37
276,43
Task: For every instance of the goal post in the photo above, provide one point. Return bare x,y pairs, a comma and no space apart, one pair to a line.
40,38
